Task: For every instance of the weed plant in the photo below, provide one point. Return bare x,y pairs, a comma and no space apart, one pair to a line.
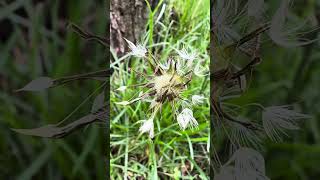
174,29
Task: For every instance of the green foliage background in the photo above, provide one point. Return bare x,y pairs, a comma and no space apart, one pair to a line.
35,42
290,76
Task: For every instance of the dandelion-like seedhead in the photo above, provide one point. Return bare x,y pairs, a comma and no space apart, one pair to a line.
139,50
185,119
167,84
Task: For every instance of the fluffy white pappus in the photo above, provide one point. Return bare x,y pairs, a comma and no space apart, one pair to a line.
197,99
148,127
138,51
184,54
185,119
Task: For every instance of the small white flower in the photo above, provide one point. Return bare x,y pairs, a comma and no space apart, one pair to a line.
187,56
138,51
185,119
122,88
148,126
197,99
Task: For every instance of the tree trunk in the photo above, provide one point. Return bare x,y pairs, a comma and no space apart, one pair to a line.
128,20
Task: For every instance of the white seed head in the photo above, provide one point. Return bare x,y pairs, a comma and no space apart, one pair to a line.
197,99
138,51
167,86
161,82
187,56
148,126
185,119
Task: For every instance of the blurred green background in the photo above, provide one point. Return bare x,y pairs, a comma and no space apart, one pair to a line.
34,42
291,76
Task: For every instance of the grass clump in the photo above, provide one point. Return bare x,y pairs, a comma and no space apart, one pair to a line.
171,70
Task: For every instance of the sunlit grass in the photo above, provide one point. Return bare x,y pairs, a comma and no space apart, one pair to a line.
173,152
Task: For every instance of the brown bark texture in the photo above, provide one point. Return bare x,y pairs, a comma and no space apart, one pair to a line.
128,20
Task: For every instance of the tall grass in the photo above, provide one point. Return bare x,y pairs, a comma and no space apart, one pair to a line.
172,154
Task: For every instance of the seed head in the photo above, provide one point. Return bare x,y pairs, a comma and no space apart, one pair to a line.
138,51
166,85
185,119
197,99
148,127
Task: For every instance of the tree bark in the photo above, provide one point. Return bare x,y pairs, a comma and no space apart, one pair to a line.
128,20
